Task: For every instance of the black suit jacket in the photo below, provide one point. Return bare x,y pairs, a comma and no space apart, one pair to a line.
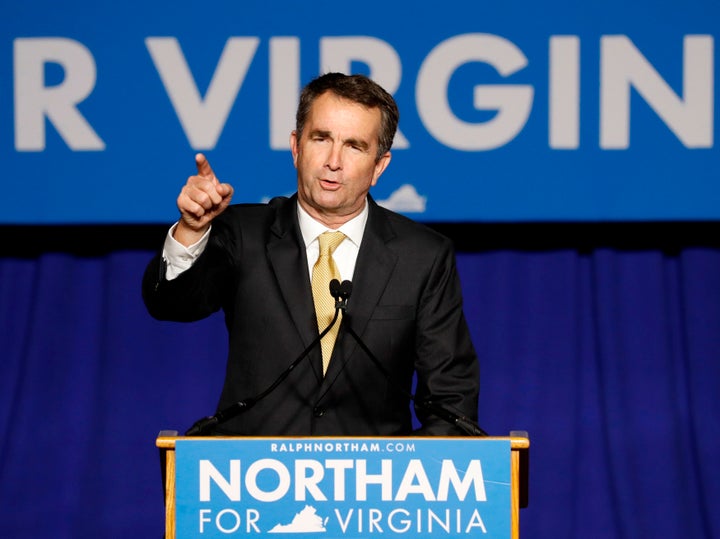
406,306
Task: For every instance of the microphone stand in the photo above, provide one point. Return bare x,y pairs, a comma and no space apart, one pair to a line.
202,426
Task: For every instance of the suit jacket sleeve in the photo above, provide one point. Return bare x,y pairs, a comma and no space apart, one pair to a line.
202,289
408,308
446,364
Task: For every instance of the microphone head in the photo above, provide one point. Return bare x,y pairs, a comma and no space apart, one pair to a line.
335,289
345,289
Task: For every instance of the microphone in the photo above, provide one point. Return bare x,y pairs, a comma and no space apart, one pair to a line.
468,426
341,293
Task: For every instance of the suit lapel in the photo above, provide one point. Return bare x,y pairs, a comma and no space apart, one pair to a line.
286,253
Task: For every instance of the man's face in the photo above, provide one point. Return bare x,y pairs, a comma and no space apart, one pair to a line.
336,158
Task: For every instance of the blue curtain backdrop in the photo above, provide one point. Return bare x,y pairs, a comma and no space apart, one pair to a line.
607,356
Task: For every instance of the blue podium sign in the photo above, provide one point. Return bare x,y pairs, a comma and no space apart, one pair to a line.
341,487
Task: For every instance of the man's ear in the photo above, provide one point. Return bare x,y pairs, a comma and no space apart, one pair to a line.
294,147
380,166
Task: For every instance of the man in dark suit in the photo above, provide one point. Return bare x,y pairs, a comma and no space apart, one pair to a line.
256,262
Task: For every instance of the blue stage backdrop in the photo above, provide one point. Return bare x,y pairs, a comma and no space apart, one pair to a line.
515,111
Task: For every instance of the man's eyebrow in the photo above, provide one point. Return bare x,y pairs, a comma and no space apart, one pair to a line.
352,141
357,142
319,133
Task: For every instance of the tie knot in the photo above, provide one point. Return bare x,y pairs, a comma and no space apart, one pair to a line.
329,241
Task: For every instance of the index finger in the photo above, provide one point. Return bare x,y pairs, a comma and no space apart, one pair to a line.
203,166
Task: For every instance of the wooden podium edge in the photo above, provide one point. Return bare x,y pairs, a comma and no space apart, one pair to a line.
519,447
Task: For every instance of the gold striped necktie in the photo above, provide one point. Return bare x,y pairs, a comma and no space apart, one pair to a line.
323,272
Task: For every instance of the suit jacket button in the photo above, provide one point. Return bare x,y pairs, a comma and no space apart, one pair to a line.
318,412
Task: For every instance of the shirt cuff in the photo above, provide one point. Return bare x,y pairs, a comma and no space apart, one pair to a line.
179,258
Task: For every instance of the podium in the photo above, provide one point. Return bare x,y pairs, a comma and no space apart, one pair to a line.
344,486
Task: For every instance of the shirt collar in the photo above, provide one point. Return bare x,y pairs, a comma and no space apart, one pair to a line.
353,229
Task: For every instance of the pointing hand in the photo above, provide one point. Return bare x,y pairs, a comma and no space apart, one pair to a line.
201,200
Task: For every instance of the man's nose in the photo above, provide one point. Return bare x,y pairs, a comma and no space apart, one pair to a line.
334,158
